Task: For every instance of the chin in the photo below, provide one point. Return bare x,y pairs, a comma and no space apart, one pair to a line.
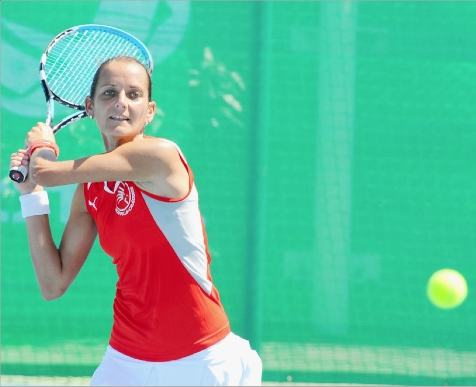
121,127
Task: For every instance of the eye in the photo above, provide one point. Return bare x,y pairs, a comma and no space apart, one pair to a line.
109,92
135,95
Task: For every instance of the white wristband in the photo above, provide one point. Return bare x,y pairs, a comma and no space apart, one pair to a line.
36,203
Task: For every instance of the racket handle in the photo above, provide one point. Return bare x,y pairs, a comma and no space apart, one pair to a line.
19,173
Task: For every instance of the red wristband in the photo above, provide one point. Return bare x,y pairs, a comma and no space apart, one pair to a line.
43,144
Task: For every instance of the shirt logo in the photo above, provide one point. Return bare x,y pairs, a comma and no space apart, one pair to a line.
125,198
93,203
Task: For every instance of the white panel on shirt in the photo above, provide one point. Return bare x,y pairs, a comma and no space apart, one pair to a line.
181,224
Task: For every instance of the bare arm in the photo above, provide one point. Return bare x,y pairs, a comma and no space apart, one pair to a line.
153,163
56,268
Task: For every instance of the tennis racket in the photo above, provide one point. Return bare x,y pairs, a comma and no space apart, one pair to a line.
68,65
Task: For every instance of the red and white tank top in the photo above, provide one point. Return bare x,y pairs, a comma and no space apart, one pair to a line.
166,306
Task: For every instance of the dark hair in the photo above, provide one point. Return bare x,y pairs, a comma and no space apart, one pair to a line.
118,58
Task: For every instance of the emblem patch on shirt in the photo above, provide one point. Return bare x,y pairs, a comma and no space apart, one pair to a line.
125,198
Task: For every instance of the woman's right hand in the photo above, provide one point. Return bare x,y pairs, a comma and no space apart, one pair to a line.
22,157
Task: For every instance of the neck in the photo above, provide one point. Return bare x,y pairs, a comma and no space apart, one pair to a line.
111,142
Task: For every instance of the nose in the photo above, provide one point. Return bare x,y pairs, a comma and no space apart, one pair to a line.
121,99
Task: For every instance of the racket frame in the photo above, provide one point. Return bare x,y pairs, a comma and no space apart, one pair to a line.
19,173
51,96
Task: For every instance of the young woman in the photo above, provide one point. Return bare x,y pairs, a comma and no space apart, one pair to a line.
139,196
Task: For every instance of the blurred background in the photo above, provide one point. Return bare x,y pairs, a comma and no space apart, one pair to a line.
333,149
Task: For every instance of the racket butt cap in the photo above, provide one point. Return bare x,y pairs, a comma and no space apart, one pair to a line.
18,174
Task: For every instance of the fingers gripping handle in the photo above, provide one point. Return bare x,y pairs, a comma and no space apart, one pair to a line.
19,173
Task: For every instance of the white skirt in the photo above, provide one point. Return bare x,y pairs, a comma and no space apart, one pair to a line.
230,362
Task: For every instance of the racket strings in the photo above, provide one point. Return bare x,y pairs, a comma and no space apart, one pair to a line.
72,62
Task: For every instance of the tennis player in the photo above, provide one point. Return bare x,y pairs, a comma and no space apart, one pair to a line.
170,327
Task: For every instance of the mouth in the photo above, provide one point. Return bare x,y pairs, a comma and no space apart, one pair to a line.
119,118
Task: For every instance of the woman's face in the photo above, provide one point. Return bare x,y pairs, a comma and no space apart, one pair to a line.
121,104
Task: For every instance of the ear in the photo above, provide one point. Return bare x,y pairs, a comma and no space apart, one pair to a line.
150,112
88,103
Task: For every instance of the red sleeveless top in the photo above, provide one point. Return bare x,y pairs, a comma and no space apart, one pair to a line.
166,306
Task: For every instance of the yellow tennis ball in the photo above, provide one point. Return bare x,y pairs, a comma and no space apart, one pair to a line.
447,288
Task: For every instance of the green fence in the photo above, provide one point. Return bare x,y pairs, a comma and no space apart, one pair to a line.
333,147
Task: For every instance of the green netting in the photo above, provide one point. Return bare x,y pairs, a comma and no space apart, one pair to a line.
332,145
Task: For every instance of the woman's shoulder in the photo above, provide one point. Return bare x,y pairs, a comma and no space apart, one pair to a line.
164,143
160,148
161,141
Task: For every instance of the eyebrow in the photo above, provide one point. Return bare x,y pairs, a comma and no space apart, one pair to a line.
114,85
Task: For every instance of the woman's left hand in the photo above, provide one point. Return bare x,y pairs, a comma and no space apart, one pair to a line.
23,158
